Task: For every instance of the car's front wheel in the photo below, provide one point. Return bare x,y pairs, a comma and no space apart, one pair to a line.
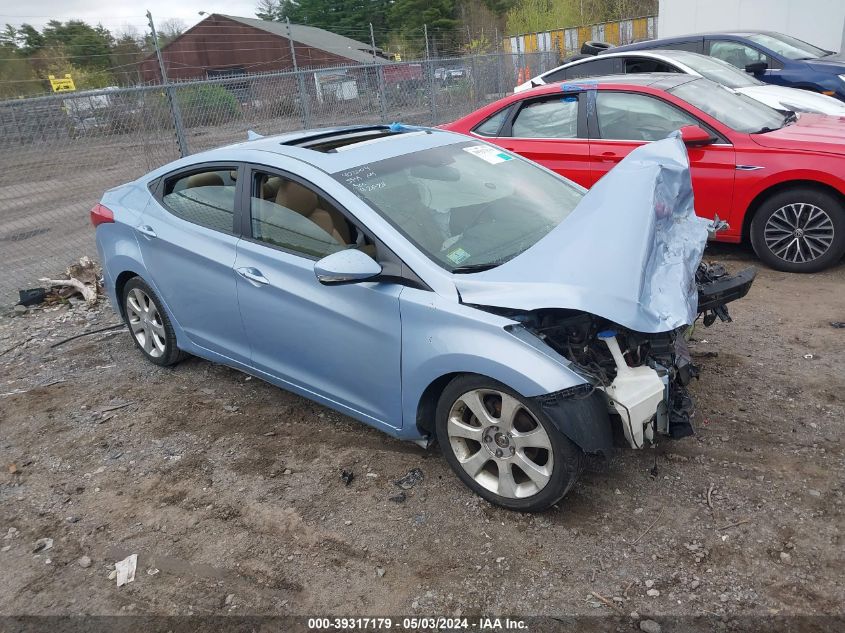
800,230
503,447
148,323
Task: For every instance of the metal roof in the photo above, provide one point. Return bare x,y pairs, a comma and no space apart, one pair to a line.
339,45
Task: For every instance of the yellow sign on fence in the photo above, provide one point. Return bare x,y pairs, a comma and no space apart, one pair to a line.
62,85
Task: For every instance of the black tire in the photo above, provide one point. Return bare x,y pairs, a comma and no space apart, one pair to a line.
594,47
829,224
162,349
567,460
576,57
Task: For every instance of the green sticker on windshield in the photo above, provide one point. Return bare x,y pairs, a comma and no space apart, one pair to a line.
458,255
489,154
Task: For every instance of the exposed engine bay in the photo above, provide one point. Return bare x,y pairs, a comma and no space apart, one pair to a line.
644,375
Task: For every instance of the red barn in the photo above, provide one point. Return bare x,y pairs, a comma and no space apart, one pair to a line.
228,45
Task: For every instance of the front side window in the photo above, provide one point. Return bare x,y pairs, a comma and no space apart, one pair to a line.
635,117
717,70
291,216
467,205
737,111
548,118
737,54
204,197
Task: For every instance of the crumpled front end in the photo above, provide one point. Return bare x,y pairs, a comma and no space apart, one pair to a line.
628,252
614,289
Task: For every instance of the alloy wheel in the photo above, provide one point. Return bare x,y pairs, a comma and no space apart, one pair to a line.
145,322
799,232
500,443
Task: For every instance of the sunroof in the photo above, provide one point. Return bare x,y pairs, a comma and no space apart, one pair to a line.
337,140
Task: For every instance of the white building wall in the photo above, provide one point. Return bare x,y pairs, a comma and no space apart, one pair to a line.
819,22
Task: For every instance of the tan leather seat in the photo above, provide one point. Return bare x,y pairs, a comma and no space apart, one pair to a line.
205,179
295,197
270,187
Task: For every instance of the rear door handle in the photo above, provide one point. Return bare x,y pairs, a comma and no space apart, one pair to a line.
147,230
253,275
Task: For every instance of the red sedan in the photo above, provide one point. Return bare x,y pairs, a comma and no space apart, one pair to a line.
778,180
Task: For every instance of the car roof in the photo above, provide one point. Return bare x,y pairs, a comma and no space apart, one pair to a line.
348,146
657,53
682,38
662,81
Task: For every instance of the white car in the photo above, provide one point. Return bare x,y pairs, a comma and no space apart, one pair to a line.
778,97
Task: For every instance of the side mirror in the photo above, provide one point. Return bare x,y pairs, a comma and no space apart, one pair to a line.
346,267
694,136
756,68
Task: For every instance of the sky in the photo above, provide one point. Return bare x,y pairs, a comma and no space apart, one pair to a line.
117,15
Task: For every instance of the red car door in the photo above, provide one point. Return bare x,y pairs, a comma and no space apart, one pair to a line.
624,120
550,130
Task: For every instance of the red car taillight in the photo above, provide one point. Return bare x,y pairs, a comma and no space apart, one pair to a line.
101,215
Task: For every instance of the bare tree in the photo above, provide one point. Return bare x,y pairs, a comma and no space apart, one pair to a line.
169,29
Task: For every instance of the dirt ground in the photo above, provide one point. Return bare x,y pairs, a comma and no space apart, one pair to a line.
231,489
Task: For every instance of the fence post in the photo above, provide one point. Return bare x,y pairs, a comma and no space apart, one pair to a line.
474,70
379,78
300,82
175,112
499,55
431,89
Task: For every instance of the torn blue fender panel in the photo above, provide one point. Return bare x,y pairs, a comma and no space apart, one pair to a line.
628,252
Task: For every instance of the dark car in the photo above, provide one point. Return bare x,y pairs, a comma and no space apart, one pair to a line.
771,57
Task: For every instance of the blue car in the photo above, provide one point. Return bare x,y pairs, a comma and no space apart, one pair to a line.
430,285
771,57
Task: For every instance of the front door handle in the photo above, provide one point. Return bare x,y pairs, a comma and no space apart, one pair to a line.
253,275
146,230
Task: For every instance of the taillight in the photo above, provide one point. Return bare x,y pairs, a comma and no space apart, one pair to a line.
101,215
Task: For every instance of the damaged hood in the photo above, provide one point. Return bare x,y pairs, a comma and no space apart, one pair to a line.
628,252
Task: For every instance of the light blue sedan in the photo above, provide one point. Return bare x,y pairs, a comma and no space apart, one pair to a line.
430,285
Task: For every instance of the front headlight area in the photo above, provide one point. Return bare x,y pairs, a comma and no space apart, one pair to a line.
643,376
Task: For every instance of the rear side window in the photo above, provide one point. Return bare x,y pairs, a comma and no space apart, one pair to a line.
551,118
594,68
555,76
635,65
693,46
205,197
492,125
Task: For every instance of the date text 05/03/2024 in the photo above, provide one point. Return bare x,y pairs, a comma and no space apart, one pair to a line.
423,623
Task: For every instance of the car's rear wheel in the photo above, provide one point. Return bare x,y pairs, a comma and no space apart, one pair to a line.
800,230
503,447
148,323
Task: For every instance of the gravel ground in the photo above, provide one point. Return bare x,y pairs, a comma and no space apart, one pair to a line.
229,490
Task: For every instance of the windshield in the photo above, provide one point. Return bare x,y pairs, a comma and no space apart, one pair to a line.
715,69
468,206
737,111
788,47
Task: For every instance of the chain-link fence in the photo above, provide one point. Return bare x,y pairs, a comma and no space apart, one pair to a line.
59,153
